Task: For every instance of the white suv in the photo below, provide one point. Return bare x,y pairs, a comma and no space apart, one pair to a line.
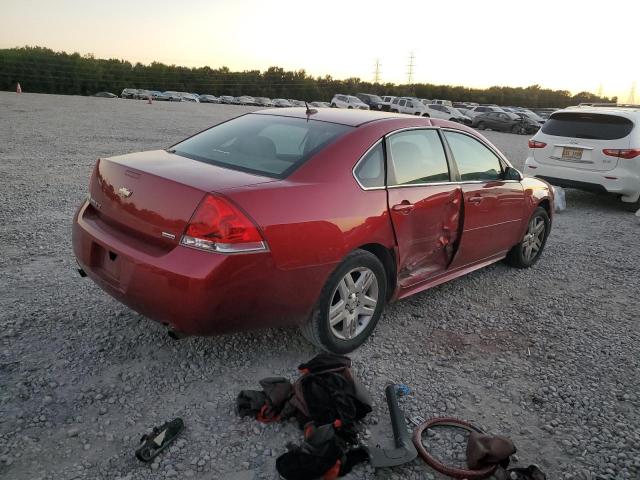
411,106
590,148
348,101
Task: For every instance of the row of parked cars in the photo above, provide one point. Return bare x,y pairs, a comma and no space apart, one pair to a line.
507,119
173,96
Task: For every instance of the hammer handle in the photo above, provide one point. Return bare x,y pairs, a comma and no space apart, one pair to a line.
398,424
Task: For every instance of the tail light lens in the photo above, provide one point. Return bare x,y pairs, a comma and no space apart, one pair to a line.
627,153
219,226
536,144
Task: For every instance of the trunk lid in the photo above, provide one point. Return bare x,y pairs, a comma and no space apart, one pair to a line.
154,194
577,139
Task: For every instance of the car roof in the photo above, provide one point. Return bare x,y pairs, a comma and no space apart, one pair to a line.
350,117
627,112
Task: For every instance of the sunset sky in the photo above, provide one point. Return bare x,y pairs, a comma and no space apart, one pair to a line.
557,44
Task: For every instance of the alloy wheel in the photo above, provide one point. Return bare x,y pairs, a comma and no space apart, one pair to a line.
353,303
533,239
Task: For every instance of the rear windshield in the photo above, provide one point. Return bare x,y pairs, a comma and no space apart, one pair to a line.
264,144
593,126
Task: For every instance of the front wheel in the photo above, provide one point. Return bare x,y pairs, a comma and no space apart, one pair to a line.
350,304
481,126
528,251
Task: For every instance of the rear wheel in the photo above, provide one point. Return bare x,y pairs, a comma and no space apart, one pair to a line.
481,126
632,206
528,251
350,304
333,105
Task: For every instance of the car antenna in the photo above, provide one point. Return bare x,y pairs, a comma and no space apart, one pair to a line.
310,111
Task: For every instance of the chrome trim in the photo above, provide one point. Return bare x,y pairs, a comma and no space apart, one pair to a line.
168,235
466,182
353,170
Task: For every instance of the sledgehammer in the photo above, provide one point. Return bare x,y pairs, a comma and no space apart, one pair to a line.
405,450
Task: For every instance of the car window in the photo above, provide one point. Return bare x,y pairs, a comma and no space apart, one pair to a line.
264,144
370,170
593,126
402,102
395,100
417,156
409,104
475,161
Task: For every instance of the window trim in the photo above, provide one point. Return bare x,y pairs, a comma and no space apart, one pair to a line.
380,141
453,170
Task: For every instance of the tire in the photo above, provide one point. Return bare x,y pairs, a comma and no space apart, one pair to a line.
481,126
359,265
426,115
520,256
333,105
349,108
631,206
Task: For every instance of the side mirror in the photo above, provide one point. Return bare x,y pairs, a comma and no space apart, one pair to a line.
511,173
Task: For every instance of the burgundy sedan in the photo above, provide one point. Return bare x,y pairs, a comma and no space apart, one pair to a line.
307,218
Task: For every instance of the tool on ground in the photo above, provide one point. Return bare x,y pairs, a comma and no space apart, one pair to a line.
160,438
404,450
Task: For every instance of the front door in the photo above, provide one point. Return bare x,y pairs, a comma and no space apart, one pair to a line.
424,204
492,208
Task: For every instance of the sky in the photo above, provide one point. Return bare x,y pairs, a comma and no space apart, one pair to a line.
574,45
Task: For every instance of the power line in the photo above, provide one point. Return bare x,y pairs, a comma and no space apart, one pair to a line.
410,68
376,72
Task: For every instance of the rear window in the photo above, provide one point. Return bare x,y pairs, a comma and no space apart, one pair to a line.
264,144
594,126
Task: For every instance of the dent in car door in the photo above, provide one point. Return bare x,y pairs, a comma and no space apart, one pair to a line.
424,205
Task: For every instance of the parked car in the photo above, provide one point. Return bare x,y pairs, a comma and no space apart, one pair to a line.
473,111
442,102
206,98
386,102
189,97
173,96
159,96
281,102
297,103
321,104
447,113
105,95
505,122
263,102
374,101
129,93
228,99
195,236
590,148
348,101
245,100
410,106
142,94
531,114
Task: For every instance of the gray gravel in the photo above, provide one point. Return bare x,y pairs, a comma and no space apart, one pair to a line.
547,356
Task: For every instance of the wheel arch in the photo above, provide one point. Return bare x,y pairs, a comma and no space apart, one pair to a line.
388,259
546,204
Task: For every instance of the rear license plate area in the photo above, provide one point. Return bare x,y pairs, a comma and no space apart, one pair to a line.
571,154
105,261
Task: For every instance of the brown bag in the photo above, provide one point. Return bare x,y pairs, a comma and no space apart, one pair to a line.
486,450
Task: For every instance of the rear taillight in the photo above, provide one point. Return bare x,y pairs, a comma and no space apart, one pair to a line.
219,226
536,144
627,153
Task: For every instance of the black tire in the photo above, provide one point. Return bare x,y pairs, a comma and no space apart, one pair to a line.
317,329
481,126
516,256
631,207
333,105
426,115
349,108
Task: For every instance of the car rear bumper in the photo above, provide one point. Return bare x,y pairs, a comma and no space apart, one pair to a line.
620,180
191,291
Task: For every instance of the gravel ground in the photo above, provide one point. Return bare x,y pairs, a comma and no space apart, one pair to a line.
547,356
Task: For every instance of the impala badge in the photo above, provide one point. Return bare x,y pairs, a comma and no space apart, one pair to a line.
124,192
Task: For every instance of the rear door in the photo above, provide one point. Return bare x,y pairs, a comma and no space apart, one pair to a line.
577,139
424,204
492,208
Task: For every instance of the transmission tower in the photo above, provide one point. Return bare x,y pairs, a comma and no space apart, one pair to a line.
632,94
410,68
376,72
599,93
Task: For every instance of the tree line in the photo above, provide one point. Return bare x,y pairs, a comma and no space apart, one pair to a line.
43,70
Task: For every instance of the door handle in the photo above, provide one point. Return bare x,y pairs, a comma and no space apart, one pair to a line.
475,199
405,207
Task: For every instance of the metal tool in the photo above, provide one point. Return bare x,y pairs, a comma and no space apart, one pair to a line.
404,450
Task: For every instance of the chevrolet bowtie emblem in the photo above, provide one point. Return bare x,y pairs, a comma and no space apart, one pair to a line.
124,192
